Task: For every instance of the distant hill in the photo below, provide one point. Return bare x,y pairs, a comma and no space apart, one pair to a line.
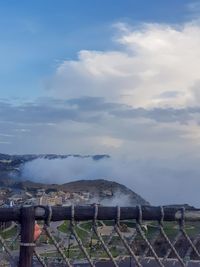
103,191
7,161
107,192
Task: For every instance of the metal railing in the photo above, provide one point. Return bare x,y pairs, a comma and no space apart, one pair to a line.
100,236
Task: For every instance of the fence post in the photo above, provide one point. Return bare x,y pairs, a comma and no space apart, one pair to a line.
27,220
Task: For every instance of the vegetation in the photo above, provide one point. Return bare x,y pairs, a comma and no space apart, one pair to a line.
11,232
64,227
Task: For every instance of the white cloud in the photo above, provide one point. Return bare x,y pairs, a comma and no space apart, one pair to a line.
157,66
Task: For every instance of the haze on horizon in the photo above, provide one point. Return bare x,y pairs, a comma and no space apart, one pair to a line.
106,77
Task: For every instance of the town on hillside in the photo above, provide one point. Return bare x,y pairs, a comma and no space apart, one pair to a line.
10,197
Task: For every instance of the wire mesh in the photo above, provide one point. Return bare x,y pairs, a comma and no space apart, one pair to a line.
109,243
9,244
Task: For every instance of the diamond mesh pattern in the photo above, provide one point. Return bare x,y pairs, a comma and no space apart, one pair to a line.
118,242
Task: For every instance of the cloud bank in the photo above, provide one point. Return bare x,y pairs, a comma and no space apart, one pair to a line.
159,182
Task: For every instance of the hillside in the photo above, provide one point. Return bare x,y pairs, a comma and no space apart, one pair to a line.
102,190
108,190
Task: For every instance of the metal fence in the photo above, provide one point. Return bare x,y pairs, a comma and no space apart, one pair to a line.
100,236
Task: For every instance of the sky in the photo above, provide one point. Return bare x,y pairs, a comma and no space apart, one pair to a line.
106,77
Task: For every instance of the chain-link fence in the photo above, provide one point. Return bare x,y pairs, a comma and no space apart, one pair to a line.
100,236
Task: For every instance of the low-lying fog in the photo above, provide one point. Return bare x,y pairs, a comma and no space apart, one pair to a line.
159,182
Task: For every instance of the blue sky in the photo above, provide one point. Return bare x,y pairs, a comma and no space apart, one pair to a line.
105,77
